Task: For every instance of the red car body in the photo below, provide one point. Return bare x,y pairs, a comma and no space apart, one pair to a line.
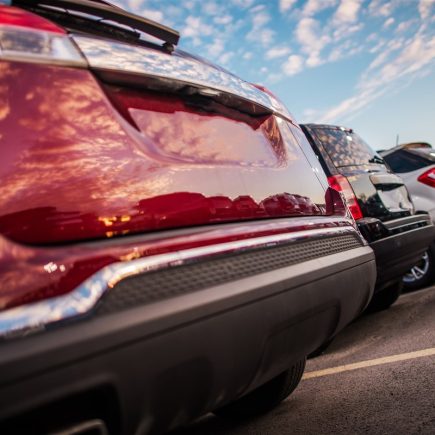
109,173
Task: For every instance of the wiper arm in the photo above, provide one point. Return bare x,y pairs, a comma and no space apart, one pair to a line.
377,159
159,31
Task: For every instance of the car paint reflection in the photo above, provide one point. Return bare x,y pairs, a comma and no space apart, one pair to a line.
70,162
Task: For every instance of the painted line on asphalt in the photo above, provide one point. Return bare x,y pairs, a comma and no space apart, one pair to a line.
370,363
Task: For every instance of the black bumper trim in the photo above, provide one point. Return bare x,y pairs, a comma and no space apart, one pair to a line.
177,358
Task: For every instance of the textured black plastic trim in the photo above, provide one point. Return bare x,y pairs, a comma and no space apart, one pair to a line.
177,280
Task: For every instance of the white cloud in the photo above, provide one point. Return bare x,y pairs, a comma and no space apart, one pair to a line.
335,54
247,55
388,22
260,33
264,36
345,31
216,48
133,5
293,65
152,15
285,5
260,19
404,25
277,52
309,36
314,60
224,19
210,8
398,63
347,11
425,7
225,58
381,8
377,47
195,29
313,7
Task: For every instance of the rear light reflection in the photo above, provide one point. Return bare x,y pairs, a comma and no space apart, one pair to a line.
340,184
428,177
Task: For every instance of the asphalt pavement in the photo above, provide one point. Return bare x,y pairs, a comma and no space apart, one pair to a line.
377,377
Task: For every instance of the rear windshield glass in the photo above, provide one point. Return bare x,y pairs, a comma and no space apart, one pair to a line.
346,148
408,161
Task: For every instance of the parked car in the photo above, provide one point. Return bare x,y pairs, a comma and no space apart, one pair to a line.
147,273
415,163
379,202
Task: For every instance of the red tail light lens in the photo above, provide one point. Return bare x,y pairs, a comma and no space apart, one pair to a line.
30,38
428,177
12,16
335,203
340,184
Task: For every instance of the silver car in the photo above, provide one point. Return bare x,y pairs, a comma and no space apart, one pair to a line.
415,163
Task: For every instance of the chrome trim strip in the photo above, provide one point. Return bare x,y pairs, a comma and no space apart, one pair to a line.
33,317
111,55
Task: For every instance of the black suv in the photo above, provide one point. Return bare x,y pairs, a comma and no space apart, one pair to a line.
379,202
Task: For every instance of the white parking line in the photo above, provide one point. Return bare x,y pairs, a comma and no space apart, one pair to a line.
370,363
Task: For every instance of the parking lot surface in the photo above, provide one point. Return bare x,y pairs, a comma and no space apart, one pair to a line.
378,377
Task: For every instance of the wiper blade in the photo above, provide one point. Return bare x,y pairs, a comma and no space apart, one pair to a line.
118,15
377,159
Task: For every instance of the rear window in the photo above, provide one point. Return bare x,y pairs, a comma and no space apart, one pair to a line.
345,148
404,161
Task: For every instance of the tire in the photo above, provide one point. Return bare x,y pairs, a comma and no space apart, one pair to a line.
386,297
423,273
265,397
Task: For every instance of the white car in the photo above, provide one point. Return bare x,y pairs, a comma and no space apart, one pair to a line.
415,163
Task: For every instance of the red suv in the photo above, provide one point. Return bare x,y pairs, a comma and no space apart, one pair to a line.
169,245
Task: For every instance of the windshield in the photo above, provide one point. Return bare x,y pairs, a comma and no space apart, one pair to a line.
346,148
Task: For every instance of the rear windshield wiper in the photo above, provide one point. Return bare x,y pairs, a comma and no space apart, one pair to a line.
377,159
118,15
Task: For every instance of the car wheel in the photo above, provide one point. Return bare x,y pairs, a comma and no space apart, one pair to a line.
265,397
385,298
423,273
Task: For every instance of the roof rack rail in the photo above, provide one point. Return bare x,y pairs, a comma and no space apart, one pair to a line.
105,11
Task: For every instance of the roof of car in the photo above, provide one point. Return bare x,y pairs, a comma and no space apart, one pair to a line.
421,147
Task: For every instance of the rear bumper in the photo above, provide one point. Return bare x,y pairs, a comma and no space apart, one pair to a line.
397,253
174,359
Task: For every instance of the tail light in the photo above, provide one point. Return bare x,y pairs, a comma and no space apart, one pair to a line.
340,184
335,203
428,177
28,37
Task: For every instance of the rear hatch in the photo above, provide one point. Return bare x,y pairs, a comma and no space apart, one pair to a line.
143,138
380,193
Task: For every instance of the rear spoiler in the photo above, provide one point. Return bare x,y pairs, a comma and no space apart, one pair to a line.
105,11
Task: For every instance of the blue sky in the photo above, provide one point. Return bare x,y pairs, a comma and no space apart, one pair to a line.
366,64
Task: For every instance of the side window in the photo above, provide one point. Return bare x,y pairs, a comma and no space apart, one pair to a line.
402,161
